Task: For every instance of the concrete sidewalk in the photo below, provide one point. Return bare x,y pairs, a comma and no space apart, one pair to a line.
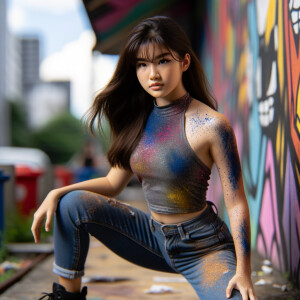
132,281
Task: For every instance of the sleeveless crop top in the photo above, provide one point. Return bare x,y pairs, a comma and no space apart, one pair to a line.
173,178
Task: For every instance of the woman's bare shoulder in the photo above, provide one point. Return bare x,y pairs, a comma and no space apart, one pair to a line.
200,116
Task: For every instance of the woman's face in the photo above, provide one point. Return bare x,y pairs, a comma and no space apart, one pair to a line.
160,74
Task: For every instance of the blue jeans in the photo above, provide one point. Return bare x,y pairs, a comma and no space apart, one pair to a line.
200,249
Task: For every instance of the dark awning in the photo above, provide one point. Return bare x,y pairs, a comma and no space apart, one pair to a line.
112,20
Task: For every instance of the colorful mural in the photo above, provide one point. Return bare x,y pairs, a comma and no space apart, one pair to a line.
252,58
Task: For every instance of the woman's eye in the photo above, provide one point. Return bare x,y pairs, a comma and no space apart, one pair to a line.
141,65
163,61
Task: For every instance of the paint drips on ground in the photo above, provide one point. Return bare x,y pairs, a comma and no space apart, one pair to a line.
231,152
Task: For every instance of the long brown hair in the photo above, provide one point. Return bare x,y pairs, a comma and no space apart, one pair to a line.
125,104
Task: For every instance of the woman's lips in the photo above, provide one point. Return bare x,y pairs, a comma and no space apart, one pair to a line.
156,86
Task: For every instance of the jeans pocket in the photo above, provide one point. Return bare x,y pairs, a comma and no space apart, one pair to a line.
196,247
200,238
201,232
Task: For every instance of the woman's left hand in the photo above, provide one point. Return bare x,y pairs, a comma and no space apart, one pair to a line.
243,283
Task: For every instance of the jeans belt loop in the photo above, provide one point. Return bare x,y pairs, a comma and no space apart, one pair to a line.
212,204
183,235
151,224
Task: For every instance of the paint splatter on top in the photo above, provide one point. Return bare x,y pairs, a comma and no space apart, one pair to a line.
174,180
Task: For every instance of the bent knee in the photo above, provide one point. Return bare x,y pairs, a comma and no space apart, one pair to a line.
80,205
80,200
71,201
72,197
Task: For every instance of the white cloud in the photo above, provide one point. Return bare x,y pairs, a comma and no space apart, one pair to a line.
16,18
103,68
75,63
51,6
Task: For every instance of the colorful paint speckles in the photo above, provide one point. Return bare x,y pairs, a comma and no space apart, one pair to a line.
199,121
166,164
231,154
177,195
244,237
214,267
177,163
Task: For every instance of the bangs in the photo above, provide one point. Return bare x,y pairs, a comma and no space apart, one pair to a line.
147,53
142,49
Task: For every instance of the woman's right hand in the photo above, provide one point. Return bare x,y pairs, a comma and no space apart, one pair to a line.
45,211
110,185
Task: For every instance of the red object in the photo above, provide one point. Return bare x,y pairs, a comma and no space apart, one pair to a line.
63,176
27,188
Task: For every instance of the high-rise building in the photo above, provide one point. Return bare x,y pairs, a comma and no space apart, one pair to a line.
4,116
30,49
13,68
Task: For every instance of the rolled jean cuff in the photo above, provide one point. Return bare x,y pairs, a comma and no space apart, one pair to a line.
70,274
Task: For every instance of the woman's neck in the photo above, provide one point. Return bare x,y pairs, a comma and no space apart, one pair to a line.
170,98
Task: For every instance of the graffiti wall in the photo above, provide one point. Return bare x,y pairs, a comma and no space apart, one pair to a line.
252,58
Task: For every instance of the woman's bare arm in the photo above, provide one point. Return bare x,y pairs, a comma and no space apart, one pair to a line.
225,154
110,186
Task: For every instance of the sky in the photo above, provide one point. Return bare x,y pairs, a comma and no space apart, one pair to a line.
67,40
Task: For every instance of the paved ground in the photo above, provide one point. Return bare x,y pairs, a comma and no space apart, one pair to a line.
102,262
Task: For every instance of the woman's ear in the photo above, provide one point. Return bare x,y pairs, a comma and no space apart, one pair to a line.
186,62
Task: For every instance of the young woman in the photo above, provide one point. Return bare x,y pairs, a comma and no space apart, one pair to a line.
166,131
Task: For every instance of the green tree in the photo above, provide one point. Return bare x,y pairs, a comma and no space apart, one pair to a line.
60,138
21,136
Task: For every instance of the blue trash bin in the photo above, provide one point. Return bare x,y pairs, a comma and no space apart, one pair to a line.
3,178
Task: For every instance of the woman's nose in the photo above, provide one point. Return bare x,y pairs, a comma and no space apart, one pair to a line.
153,72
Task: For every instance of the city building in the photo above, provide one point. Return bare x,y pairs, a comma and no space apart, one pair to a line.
44,100
13,76
30,49
4,119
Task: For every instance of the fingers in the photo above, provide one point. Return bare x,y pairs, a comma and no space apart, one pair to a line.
244,294
36,231
248,294
48,221
45,211
252,296
229,289
245,288
36,227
